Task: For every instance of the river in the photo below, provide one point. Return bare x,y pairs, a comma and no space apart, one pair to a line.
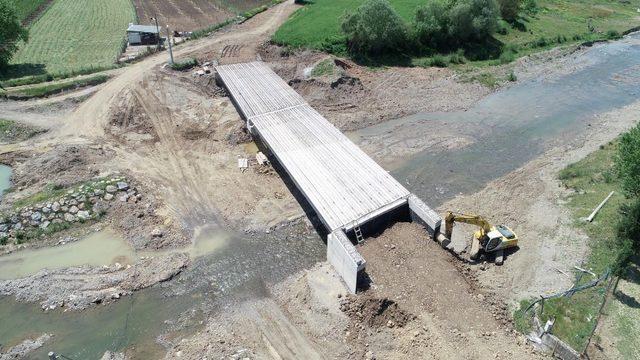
510,127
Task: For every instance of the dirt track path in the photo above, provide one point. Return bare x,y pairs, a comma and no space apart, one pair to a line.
90,119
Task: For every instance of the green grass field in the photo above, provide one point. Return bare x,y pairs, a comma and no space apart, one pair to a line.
73,35
555,22
592,178
25,7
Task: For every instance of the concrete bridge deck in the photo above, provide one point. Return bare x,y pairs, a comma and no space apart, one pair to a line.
345,187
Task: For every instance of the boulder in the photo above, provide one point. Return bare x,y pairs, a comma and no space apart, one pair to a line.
73,210
83,215
157,233
46,210
55,206
4,227
98,192
17,226
111,189
73,202
45,224
36,216
124,197
69,217
108,197
122,186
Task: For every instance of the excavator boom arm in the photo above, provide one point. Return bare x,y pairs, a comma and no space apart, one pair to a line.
467,219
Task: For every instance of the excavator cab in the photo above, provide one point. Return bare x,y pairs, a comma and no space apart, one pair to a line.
488,238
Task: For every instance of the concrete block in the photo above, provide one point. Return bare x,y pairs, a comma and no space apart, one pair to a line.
344,257
423,214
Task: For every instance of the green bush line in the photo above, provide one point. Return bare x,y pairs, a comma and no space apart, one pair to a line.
184,65
54,88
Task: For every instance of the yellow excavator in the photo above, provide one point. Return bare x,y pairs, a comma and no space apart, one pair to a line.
488,238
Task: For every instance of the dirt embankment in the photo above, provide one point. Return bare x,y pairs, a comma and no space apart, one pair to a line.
421,304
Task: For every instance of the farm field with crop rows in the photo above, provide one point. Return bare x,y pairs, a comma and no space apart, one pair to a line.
73,35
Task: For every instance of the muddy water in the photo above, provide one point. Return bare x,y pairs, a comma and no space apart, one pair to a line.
517,124
226,268
100,248
5,179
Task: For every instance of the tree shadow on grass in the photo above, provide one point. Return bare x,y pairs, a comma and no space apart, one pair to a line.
389,59
13,71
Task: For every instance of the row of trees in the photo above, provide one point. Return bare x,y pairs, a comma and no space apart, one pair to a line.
11,32
375,27
628,169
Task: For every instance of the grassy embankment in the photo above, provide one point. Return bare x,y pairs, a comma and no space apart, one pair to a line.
25,8
551,23
47,89
11,131
592,179
72,38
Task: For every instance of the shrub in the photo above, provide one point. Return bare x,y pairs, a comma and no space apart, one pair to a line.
627,161
184,65
431,24
509,9
11,32
438,61
503,28
512,77
628,233
530,7
613,35
473,20
457,57
374,28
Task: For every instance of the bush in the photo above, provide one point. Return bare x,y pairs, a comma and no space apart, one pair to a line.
509,9
530,7
628,161
184,65
613,35
431,24
374,28
11,32
628,233
473,20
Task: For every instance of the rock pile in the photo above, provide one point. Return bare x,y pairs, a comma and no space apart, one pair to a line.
79,204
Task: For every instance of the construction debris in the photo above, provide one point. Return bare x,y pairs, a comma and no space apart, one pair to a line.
261,158
595,211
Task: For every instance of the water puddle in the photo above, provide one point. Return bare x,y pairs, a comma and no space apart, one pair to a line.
99,248
5,179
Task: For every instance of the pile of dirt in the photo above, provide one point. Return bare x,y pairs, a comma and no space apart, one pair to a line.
375,312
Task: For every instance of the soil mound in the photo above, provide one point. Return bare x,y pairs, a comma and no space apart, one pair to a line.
375,312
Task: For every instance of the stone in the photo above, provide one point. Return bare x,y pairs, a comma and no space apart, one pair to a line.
17,226
55,206
123,197
69,217
64,208
83,215
36,216
4,227
111,189
98,192
45,224
15,219
123,186
46,210
108,197
157,233
73,209
73,202
81,206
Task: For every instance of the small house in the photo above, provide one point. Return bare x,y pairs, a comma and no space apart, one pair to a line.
142,34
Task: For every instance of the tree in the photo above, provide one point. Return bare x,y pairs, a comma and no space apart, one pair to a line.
473,20
11,32
509,9
374,28
431,24
628,161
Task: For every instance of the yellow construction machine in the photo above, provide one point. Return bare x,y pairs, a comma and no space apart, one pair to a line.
488,238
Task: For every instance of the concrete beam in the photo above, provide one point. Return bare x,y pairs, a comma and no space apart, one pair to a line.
423,214
344,257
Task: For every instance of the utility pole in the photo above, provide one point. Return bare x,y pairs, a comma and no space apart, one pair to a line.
170,48
157,30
